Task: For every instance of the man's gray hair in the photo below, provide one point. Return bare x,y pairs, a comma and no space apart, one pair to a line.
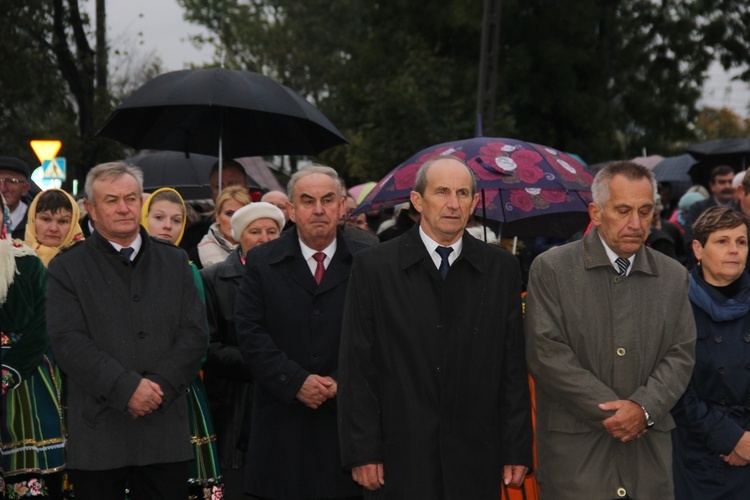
313,169
628,169
420,184
111,171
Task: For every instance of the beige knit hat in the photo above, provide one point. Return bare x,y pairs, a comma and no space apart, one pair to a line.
252,212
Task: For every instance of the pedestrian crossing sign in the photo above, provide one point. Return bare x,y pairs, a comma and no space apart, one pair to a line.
54,169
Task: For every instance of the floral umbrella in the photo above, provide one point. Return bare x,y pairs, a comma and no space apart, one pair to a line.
517,180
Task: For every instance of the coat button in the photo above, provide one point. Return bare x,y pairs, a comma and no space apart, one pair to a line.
746,338
621,351
721,370
718,339
136,298
438,369
316,312
141,334
747,366
622,492
617,279
282,378
316,356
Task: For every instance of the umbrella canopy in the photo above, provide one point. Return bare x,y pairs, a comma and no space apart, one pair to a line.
189,174
198,110
732,152
359,191
648,161
675,171
517,181
720,147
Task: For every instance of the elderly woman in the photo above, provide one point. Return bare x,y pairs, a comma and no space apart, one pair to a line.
218,242
32,431
52,223
711,442
164,215
228,380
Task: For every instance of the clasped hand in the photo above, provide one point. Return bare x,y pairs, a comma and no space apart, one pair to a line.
316,390
628,422
146,398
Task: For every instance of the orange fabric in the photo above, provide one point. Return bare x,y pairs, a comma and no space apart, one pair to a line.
529,490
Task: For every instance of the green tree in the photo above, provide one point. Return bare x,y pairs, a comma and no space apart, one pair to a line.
601,78
721,123
49,82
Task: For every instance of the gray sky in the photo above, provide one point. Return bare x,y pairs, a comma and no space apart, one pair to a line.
157,25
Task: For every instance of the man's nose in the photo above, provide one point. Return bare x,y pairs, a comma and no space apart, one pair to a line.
453,201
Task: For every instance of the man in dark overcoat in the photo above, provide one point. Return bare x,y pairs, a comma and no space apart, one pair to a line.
128,329
288,318
433,388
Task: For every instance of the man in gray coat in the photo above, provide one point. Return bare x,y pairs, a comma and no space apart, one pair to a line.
610,341
127,327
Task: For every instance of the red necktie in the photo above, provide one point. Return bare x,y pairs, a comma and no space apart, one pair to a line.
319,258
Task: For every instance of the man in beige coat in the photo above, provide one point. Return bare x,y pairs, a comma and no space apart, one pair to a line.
610,341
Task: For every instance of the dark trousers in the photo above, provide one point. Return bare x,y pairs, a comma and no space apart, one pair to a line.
145,482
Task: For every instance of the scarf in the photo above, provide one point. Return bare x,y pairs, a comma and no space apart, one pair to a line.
74,233
147,207
718,307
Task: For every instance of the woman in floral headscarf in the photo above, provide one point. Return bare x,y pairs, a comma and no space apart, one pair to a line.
52,223
33,441
164,216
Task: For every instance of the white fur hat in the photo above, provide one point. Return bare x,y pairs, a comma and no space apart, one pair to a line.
252,212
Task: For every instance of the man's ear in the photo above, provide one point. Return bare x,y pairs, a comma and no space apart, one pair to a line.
416,201
290,210
595,212
88,206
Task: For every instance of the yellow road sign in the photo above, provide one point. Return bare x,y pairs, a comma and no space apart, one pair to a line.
46,150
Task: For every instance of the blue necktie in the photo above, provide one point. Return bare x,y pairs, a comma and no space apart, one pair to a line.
444,252
127,252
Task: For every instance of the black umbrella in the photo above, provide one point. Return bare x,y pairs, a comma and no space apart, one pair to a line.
732,152
220,112
188,175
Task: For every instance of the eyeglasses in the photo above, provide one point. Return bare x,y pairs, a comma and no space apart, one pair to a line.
11,180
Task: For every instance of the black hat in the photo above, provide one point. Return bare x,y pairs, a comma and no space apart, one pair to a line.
15,165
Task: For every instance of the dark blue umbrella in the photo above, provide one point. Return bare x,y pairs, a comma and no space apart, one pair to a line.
675,170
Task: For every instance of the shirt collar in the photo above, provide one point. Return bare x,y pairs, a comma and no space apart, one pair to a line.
17,215
135,245
431,245
308,253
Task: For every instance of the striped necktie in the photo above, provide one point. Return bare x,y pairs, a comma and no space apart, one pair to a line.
623,265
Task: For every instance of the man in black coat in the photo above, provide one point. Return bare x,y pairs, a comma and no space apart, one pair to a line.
288,319
433,389
127,327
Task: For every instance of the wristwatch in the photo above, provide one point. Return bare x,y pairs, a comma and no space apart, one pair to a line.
649,422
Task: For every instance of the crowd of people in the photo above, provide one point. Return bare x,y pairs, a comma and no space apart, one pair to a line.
286,349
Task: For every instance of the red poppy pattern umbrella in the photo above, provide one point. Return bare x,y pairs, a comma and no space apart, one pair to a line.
517,180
